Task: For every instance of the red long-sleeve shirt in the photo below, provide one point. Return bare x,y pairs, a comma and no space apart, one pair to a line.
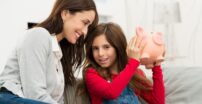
100,89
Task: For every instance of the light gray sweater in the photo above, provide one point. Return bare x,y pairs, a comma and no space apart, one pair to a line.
31,72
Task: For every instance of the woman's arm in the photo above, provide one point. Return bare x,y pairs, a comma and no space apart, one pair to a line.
32,57
110,90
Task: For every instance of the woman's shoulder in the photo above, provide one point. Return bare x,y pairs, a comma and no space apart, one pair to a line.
38,32
36,37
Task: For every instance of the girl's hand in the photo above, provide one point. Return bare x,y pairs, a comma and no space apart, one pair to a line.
159,63
134,48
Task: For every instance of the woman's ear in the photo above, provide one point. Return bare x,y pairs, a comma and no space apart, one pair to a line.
65,14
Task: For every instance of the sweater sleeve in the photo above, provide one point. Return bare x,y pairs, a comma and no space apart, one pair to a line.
157,94
32,57
98,86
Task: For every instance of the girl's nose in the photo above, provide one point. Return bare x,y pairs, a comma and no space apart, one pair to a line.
101,52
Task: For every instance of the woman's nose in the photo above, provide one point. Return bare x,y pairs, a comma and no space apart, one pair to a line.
85,30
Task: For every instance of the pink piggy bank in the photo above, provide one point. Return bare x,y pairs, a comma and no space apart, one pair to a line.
154,48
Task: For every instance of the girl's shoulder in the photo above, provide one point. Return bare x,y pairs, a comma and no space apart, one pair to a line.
91,70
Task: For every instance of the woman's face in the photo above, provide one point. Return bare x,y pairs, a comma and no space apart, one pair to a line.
76,25
103,52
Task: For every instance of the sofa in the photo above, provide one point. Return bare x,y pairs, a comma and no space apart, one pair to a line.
183,85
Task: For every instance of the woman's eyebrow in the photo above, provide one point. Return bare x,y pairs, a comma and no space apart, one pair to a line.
88,21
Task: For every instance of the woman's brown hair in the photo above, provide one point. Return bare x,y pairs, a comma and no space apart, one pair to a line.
73,55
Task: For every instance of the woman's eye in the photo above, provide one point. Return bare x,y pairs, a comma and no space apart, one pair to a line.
85,23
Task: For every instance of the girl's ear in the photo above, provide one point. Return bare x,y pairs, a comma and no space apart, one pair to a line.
65,14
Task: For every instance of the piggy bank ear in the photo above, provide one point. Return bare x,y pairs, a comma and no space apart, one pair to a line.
141,33
158,38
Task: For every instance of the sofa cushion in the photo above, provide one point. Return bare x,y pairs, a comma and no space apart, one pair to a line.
183,85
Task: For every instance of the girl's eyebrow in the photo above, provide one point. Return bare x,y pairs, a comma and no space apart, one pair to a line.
94,46
102,45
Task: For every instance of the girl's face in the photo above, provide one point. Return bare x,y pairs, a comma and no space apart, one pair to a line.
103,53
76,25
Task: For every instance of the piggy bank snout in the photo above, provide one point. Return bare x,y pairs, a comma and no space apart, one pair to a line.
157,38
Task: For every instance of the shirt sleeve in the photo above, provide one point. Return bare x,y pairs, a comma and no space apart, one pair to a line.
157,94
32,57
98,86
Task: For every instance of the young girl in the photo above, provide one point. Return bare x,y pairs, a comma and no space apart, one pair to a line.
42,64
111,73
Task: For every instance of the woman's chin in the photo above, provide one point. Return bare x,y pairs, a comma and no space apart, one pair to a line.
73,41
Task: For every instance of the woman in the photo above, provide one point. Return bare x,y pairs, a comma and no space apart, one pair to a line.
43,62
111,74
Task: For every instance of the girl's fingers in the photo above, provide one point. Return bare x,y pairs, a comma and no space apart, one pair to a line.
130,44
136,43
133,42
139,42
140,34
143,44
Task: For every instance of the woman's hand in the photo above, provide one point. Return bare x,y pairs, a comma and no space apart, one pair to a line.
134,48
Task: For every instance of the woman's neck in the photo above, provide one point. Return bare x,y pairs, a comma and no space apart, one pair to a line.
59,37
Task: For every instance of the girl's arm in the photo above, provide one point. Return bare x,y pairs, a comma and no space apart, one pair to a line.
157,94
98,86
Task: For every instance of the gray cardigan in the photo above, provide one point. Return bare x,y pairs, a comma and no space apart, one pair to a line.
31,66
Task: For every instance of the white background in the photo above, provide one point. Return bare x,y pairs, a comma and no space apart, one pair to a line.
14,15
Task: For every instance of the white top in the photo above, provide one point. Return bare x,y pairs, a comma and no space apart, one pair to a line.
34,69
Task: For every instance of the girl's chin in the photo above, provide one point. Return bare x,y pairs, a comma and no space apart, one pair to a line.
104,66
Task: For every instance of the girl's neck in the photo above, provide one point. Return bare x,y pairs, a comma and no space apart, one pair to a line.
114,72
114,69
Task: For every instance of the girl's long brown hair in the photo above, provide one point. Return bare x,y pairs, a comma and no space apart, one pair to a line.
116,38
73,54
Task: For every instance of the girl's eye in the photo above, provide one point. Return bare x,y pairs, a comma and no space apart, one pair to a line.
94,48
106,46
